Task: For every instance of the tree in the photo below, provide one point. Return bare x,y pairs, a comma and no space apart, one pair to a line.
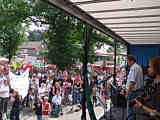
12,33
64,36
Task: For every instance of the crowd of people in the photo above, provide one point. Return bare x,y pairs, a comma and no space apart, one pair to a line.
50,89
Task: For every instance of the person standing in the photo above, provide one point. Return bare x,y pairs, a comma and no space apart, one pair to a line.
4,96
56,100
133,85
152,106
42,90
94,95
38,108
46,108
16,100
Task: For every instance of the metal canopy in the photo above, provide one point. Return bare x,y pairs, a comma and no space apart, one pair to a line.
136,19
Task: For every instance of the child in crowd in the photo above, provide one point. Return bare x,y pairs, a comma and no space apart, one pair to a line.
46,108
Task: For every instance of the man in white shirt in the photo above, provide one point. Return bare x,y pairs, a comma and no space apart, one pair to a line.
133,85
56,100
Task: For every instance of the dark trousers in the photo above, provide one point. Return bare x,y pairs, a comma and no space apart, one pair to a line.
3,105
94,100
130,109
14,115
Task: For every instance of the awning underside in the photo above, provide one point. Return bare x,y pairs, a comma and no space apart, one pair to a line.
135,21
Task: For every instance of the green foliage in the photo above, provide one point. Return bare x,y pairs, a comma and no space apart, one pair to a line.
63,38
12,33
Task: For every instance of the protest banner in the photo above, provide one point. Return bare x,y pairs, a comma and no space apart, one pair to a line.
20,83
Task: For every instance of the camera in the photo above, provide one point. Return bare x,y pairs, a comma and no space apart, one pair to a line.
133,102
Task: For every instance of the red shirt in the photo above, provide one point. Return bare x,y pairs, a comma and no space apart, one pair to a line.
45,111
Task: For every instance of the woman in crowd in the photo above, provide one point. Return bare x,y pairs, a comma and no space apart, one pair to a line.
154,108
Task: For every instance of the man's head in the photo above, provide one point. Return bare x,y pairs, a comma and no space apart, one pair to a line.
131,60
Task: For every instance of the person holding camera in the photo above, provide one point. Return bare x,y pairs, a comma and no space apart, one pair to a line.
133,85
154,108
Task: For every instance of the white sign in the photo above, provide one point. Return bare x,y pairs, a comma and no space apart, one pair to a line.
20,83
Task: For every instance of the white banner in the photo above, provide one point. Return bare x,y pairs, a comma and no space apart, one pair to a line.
20,83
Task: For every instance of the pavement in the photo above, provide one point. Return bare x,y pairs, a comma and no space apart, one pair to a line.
68,115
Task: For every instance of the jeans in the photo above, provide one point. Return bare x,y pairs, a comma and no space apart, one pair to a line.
130,109
75,97
36,96
39,117
57,110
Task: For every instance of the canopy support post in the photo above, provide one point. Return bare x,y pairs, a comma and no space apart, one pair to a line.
85,71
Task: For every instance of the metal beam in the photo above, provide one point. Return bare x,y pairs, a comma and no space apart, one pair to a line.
122,10
133,31
144,41
127,17
77,12
135,27
92,1
122,23
141,36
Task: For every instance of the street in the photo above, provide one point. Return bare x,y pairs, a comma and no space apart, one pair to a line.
66,116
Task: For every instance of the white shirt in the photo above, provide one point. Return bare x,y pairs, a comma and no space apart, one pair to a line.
4,88
135,75
41,91
57,99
